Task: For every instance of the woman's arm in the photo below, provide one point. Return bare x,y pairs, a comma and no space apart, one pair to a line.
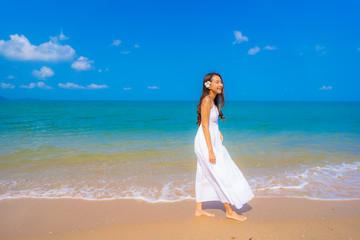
205,112
221,136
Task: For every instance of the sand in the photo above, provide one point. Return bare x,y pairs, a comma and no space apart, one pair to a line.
268,218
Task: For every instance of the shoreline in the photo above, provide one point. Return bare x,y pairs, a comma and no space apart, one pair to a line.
268,218
172,201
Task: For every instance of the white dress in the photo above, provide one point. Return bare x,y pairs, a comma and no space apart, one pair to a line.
220,181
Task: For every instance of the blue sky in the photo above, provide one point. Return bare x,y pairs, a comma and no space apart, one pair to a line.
161,50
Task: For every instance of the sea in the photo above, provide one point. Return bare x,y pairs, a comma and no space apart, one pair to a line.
103,150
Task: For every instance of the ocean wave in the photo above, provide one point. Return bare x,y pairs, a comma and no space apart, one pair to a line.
323,182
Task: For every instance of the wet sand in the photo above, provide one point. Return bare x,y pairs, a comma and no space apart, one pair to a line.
268,218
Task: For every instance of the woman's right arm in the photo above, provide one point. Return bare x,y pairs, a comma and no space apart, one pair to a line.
205,112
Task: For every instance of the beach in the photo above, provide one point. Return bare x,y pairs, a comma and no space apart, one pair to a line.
268,218
115,170
103,150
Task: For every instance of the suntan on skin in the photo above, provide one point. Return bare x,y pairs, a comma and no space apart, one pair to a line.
206,105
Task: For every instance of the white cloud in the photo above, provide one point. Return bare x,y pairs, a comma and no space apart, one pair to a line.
239,37
326,88
61,37
254,50
136,46
43,73
42,85
127,88
95,86
268,47
69,85
82,64
358,49
7,85
153,87
116,42
10,77
31,85
39,85
125,52
99,70
54,39
19,48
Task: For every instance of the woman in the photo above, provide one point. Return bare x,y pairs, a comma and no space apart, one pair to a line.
217,177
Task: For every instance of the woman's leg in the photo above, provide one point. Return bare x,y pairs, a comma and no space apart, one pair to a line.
199,211
232,214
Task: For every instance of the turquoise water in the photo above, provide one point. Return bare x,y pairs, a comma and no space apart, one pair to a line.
116,149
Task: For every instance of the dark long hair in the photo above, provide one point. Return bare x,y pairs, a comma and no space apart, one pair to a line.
219,99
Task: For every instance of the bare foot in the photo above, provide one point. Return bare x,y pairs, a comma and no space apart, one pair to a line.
235,216
205,213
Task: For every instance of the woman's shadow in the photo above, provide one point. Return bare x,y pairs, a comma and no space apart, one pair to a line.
219,205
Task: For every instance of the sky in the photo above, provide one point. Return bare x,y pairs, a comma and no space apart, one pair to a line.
161,50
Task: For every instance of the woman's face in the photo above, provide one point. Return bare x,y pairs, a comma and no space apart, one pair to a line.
216,84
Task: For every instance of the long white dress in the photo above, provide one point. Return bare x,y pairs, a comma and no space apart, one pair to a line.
220,181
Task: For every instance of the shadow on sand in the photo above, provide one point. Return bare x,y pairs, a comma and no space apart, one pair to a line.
219,205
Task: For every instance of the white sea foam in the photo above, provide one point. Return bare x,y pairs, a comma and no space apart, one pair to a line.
284,187
338,181
325,182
